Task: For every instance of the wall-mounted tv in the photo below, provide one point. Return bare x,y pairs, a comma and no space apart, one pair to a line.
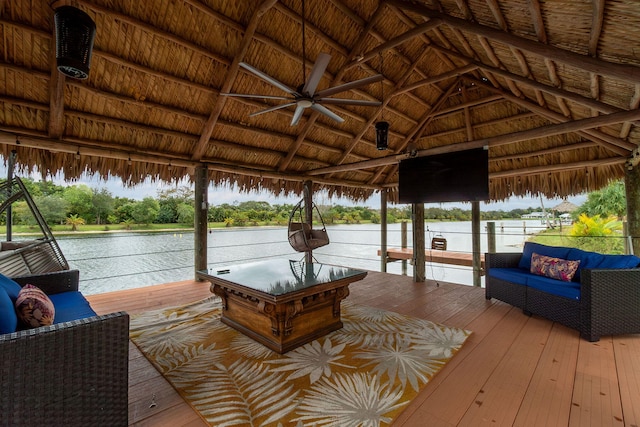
460,176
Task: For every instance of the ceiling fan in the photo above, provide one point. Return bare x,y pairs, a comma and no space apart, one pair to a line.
305,96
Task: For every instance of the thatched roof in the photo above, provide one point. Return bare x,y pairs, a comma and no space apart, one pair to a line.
552,88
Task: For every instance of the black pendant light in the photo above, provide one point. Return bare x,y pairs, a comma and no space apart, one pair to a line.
382,135
75,32
382,127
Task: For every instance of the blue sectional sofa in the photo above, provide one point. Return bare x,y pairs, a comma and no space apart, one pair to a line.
601,298
71,373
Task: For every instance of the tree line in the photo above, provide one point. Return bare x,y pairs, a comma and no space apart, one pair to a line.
80,204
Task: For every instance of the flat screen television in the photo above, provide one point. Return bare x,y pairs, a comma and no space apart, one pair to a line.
460,176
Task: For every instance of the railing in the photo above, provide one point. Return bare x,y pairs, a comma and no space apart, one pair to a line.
126,260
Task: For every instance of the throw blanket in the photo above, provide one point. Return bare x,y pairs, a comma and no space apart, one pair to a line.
361,375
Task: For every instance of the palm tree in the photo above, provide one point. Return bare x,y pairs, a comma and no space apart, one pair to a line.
74,221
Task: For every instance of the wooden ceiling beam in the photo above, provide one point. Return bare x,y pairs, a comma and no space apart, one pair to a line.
551,90
624,72
617,145
540,132
230,78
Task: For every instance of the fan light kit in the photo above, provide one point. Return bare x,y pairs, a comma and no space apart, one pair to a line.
306,96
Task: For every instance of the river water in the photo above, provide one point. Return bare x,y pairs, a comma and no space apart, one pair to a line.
115,261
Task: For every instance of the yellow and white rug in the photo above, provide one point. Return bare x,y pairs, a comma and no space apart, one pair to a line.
361,375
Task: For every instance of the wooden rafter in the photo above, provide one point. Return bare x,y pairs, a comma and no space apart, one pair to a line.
624,72
232,72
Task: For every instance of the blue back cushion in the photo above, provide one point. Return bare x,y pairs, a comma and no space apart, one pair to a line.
10,286
70,306
596,260
530,248
8,317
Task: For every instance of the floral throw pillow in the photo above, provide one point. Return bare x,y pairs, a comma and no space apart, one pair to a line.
34,308
555,268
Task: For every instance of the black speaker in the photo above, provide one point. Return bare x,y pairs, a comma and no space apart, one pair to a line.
75,32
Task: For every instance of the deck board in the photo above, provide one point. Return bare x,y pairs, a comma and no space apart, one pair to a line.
513,370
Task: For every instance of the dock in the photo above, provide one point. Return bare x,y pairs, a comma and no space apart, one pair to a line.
434,255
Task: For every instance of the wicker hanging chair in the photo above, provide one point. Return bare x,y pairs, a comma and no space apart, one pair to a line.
302,236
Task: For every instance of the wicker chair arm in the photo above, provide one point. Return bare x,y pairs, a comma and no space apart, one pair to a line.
54,282
610,302
502,259
72,374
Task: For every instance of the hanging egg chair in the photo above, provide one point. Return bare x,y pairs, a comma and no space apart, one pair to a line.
302,236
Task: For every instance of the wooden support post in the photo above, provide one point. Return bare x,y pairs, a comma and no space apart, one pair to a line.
418,243
632,189
491,237
308,213
403,244
201,218
383,230
475,243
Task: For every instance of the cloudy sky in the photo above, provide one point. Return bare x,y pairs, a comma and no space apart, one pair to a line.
218,196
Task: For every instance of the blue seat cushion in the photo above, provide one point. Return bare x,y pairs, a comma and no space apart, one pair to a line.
12,287
8,316
71,306
514,275
560,288
531,247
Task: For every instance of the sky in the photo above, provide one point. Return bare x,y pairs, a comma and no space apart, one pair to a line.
218,196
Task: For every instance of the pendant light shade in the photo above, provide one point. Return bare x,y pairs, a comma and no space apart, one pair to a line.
75,32
382,135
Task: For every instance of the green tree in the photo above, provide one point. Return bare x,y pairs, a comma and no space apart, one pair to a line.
80,200
186,214
145,211
52,207
611,200
102,204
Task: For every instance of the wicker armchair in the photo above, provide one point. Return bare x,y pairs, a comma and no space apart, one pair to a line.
67,374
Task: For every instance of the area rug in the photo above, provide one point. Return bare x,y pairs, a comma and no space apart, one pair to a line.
361,375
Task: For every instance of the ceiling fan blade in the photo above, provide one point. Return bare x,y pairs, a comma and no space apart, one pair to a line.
274,108
242,95
327,112
342,101
297,115
269,79
316,73
351,85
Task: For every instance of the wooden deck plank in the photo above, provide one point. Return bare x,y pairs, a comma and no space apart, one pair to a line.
596,395
627,353
499,400
572,382
547,401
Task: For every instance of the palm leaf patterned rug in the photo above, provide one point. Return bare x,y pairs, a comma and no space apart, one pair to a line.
361,375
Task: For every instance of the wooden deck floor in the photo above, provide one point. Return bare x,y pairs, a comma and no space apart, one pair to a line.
513,370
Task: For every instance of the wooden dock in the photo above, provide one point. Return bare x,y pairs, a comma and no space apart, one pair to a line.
434,255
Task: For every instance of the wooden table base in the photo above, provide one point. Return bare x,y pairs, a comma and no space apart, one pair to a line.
282,326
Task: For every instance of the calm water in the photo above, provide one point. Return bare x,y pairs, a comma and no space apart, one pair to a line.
128,260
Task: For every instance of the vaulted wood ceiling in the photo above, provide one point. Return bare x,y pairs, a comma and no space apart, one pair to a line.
551,87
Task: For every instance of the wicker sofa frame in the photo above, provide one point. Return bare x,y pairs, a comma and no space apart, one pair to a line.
609,299
67,374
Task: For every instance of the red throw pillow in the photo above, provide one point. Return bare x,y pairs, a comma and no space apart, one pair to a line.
34,308
555,268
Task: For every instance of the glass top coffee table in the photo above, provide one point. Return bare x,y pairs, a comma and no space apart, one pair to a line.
280,303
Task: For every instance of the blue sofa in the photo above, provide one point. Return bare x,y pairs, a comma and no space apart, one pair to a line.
71,373
603,297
